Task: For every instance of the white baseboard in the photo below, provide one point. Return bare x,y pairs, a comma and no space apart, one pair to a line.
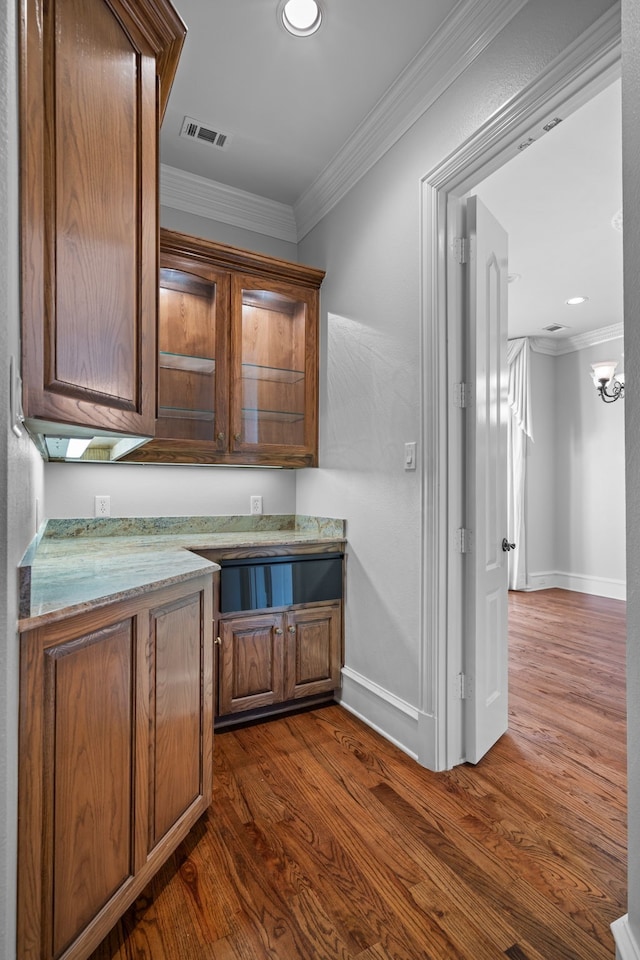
627,947
579,582
389,715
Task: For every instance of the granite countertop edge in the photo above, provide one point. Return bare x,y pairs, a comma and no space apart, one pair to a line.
76,566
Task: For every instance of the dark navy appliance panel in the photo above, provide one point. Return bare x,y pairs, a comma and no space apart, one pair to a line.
258,584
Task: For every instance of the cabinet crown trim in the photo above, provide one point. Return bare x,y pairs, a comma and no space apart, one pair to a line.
234,258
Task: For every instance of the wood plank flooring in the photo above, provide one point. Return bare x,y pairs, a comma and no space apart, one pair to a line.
325,841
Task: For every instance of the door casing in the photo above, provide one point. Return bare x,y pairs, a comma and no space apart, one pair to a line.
591,64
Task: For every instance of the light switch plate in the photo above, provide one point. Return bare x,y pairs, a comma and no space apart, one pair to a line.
410,456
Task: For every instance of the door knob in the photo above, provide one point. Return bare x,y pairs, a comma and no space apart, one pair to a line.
506,546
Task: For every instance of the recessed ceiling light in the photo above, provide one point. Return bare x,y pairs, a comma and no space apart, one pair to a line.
300,17
573,301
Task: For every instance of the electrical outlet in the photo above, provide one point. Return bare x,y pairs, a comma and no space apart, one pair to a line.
256,505
102,506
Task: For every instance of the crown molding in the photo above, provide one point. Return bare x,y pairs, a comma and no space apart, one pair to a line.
207,198
555,348
456,44
462,38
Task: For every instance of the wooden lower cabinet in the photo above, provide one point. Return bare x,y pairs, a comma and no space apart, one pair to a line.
271,657
116,721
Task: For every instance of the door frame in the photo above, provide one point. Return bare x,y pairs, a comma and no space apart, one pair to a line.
590,64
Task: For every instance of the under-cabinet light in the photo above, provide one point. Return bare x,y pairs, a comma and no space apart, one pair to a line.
77,446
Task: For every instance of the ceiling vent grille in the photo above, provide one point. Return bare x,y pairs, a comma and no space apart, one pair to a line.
555,327
195,130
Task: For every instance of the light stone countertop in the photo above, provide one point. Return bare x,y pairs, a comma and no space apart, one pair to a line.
77,566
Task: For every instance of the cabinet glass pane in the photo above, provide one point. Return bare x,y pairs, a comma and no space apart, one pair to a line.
273,368
186,365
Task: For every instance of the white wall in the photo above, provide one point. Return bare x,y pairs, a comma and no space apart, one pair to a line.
20,484
631,196
541,489
589,470
226,233
575,482
369,244
155,490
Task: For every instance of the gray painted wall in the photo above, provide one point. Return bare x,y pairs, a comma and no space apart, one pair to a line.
575,479
542,500
589,471
197,226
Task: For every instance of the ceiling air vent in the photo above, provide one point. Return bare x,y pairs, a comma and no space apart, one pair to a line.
194,130
555,327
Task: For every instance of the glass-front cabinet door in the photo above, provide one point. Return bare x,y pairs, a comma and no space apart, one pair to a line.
274,366
192,355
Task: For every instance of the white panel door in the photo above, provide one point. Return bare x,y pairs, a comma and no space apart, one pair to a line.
486,658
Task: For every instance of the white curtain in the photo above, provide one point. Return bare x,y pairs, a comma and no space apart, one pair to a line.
519,429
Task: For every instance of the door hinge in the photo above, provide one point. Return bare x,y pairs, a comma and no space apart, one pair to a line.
464,540
463,687
461,250
462,395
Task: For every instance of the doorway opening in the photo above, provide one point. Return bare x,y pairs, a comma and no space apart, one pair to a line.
565,87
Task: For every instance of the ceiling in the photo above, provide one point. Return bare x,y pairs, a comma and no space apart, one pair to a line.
289,105
557,200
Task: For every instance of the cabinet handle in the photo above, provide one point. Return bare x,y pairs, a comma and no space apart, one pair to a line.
237,437
221,437
278,630
217,641
292,629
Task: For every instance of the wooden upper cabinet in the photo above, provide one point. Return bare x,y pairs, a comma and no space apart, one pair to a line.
237,357
95,76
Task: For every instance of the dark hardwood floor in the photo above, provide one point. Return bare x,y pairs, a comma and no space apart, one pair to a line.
325,841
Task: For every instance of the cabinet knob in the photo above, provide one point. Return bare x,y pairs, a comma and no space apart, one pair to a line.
217,641
278,630
221,437
237,437
292,629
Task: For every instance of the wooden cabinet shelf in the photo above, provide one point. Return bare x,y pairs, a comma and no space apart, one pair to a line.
255,371
179,413
277,416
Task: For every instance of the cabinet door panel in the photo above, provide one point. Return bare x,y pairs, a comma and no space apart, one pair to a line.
251,662
176,667
274,362
90,685
192,343
94,240
89,216
314,651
